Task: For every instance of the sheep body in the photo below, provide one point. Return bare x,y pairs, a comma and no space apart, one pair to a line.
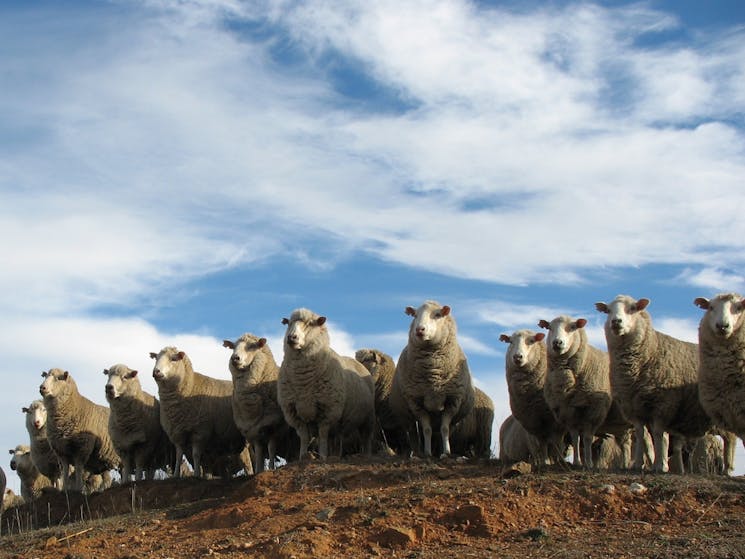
526,364
3,484
721,371
134,425
654,380
382,368
77,429
432,384
471,436
42,454
516,444
196,412
577,387
32,480
318,388
256,410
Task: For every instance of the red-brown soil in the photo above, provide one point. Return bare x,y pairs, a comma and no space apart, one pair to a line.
390,508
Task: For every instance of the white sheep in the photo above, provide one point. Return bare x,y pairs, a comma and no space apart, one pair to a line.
382,368
134,425
77,429
42,454
516,444
322,390
196,412
526,364
256,410
721,371
577,388
471,436
11,500
432,384
32,481
654,380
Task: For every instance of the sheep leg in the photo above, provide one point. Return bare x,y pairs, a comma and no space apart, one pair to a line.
677,453
729,440
625,444
66,476
445,433
258,451
426,424
177,464
661,448
587,436
126,468
574,435
323,440
304,434
196,455
640,446
78,486
272,450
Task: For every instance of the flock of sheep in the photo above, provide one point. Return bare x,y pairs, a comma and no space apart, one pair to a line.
650,391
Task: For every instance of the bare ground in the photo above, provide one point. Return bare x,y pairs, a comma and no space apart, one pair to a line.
391,508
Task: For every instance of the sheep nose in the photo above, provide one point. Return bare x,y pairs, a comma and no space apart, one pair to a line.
37,424
722,326
235,359
292,338
109,389
517,358
557,344
616,322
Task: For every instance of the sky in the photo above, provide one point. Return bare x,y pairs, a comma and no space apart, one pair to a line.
182,172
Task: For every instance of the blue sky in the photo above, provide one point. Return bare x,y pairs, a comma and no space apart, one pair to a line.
177,173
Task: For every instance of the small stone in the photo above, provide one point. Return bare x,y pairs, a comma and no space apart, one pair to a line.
517,469
394,537
637,488
326,514
537,534
50,542
607,488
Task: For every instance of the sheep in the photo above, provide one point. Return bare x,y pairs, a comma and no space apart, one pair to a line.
432,384
196,412
11,500
42,454
382,368
526,364
32,481
77,429
471,436
134,425
516,444
255,408
654,381
577,387
721,370
318,388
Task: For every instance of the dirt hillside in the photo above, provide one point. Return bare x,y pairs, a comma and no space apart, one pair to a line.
391,508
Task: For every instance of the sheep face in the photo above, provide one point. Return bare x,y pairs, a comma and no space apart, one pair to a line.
244,352
302,327
169,366
564,336
724,313
429,324
21,458
122,381
56,383
623,312
36,415
522,345
371,360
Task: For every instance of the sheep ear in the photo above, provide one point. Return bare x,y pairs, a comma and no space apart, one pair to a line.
602,307
641,304
132,374
445,311
153,355
505,338
261,342
228,343
44,374
25,410
411,311
581,322
539,336
285,321
106,372
544,324
11,451
321,321
179,356
65,375
701,303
